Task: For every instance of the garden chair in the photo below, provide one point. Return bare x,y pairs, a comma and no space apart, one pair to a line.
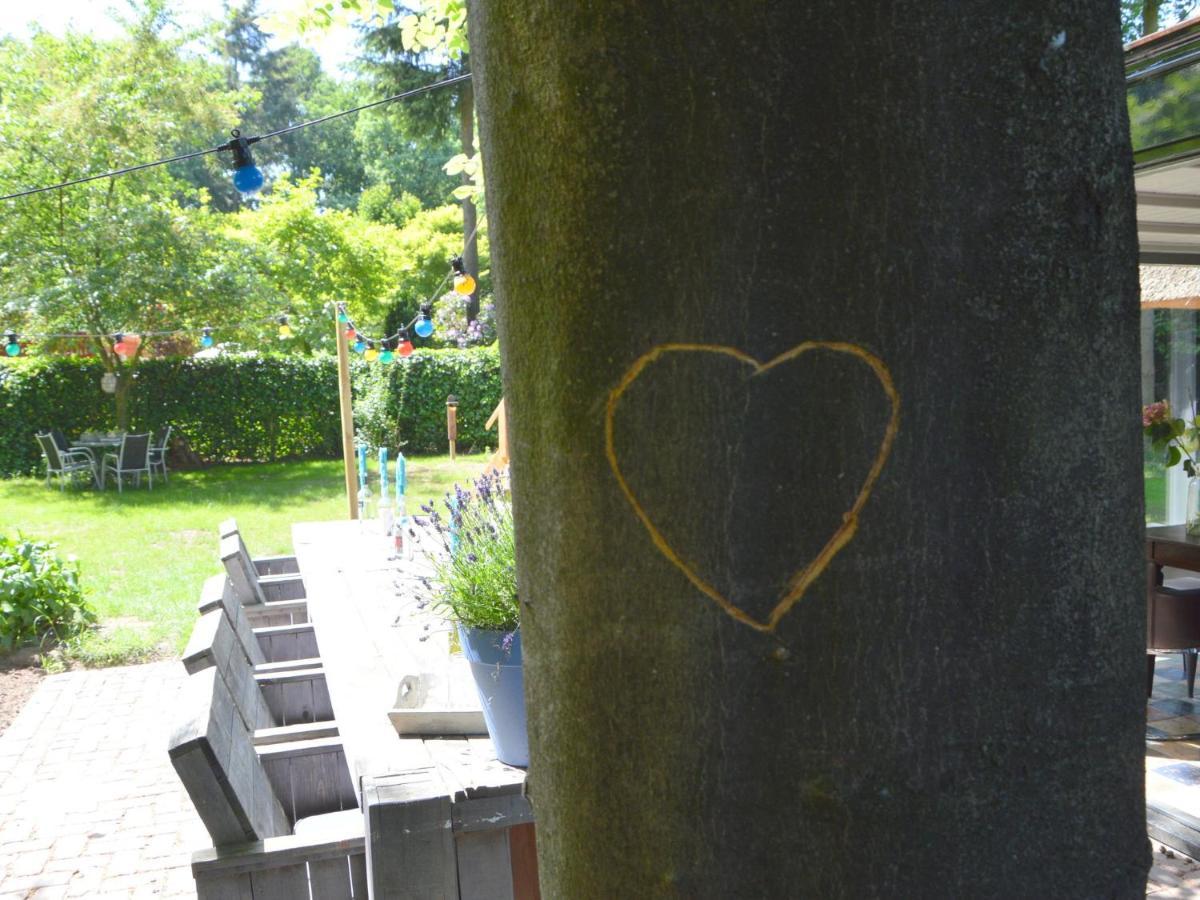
275,634
158,452
283,818
264,565
133,458
266,694
65,463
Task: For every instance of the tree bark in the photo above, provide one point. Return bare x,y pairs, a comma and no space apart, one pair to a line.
954,705
466,132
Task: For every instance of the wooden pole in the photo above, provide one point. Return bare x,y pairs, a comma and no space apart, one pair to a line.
343,358
452,424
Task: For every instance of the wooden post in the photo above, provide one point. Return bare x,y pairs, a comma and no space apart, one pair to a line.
499,459
343,358
452,423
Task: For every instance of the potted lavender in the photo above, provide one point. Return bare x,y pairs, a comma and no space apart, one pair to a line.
475,586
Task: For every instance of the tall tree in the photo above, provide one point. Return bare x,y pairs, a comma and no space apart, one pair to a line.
414,47
131,254
1142,17
829,640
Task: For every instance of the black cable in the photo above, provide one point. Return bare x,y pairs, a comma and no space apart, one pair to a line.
162,162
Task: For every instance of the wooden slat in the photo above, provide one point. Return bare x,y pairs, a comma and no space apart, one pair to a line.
451,722
522,845
302,732
224,887
1173,827
330,879
484,866
278,851
275,588
285,883
278,612
358,875
286,642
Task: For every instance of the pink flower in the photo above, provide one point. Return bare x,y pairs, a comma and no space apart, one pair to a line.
1155,413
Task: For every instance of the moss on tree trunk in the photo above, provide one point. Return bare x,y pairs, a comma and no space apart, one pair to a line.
954,706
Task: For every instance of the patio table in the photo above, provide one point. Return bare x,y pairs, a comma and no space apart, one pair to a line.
98,445
442,814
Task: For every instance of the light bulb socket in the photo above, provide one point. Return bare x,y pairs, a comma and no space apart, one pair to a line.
426,310
240,146
458,266
282,320
10,337
118,338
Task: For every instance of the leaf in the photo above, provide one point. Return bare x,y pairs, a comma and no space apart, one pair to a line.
1173,456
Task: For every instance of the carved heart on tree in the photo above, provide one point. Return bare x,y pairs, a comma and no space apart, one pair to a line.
800,578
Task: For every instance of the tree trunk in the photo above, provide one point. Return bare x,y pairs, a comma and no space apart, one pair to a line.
466,132
121,397
1149,17
953,705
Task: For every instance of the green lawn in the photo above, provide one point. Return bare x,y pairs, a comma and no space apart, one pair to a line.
144,554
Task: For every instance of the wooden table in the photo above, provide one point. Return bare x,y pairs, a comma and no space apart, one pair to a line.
444,818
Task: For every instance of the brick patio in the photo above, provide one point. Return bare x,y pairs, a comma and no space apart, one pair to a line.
89,803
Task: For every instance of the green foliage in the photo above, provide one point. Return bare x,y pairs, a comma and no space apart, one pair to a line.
404,405
253,407
378,203
425,246
314,257
475,571
39,594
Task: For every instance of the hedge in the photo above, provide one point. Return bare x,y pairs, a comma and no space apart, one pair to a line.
253,407
405,405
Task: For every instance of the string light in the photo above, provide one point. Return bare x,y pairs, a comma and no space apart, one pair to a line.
404,95
247,177
404,347
207,340
285,330
386,355
372,354
464,282
424,326
11,346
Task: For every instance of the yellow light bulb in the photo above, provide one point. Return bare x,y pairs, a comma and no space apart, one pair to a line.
285,330
371,355
464,284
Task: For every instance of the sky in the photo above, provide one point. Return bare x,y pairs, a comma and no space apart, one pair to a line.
335,46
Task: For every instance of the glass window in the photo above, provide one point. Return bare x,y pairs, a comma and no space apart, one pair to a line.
1168,373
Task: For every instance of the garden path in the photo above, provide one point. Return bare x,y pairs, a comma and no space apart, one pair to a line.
89,803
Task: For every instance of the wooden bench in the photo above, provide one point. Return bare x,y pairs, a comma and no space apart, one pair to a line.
251,588
264,565
267,694
283,819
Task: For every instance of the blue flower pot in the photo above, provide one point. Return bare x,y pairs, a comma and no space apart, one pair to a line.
501,686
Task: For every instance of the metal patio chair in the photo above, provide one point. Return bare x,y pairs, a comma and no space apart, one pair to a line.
64,464
158,452
133,458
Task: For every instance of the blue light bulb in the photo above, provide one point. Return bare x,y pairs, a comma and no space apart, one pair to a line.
248,179
207,340
424,326
360,345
